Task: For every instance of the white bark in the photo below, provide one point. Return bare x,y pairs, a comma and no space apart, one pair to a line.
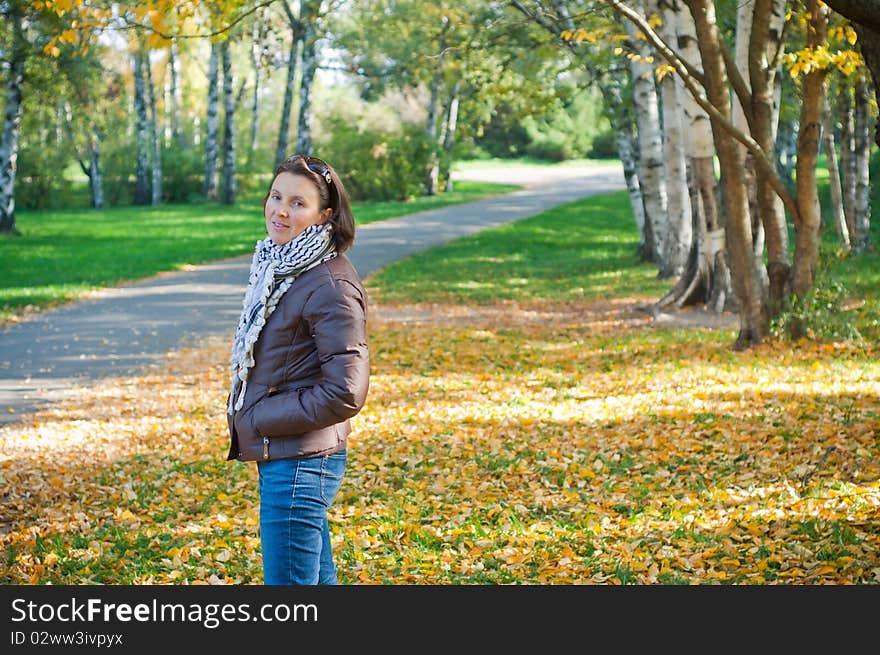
309,66
142,194
11,128
650,141
212,125
838,217
156,159
229,185
862,156
672,90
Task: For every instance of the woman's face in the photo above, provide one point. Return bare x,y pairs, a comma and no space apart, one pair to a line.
293,205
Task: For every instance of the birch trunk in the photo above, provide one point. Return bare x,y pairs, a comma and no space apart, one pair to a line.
432,173
228,185
212,125
96,180
786,150
618,113
156,159
284,128
847,154
862,159
869,46
650,141
809,219
672,91
706,278
838,217
764,47
175,93
142,194
309,65
256,63
745,273
11,127
449,136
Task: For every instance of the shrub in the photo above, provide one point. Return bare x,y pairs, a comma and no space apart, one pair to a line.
377,164
820,313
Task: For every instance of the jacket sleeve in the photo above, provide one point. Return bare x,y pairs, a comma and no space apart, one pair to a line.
336,315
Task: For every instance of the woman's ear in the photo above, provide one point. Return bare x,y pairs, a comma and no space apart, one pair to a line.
326,214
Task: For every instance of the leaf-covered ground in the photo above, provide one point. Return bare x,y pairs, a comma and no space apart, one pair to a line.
531,444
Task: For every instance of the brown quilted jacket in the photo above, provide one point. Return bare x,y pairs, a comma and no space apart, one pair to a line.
311,370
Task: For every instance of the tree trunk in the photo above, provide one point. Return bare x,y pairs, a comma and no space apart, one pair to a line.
786,150
284,128
256,62
809,219
847,154
96,180
765,40
672,92
862,159
156,161
432,173
754,320
175,93
838,216
309,66
228,184
212,125
142,195
650,140
706,278
449,135
622,124
11,127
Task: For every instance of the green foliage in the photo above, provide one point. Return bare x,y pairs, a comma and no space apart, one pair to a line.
821,313
183,172
375,163
564,128
604,146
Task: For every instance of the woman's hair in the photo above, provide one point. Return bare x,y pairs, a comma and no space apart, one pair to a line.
331,191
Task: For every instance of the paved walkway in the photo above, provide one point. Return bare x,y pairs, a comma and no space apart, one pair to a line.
122,331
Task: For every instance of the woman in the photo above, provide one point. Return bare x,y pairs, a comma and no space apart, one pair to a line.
300,367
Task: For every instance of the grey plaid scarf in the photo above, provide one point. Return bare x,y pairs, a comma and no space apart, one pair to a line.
273,270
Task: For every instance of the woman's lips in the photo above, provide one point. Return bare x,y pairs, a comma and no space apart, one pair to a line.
279,226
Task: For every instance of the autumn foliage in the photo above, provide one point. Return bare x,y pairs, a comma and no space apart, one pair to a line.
530,444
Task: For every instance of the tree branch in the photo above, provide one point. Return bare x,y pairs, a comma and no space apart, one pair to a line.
767,167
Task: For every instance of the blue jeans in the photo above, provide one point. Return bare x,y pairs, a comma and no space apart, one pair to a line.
294,533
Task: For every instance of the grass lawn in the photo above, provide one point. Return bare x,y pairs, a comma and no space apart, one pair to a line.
63,254
528,429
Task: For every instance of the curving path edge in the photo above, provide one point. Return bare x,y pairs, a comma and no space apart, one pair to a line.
124,330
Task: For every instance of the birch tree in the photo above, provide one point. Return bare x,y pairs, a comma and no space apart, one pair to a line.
678,202
229,104
11,118
613,81
706,278
142,194
296,38
838,216
153,131
651,168
212,124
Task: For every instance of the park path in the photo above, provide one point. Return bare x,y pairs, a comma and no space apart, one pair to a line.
125,330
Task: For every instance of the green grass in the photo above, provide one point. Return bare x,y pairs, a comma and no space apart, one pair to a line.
475,164
63,254
584,249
